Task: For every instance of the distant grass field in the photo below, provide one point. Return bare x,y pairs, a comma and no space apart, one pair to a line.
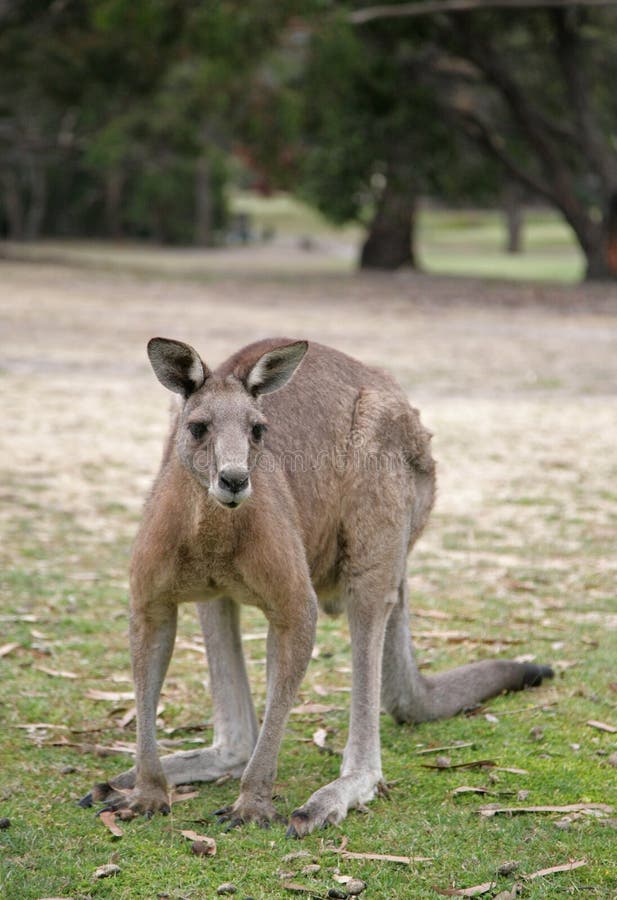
459,242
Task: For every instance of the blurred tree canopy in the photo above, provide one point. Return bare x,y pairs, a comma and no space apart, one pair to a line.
128,117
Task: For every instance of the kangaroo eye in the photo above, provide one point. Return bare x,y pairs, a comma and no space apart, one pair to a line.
197,429
258,431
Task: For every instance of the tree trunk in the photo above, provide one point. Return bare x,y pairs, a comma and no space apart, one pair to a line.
203,202
610,247
390,240
513,211
114,183
13,205
38,200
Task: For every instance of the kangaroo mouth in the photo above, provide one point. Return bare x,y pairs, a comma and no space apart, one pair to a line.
230,499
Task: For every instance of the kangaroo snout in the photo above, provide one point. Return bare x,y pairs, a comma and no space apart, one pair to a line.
233,486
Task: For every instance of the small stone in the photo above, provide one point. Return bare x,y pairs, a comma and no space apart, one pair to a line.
335,894
508,867
226,888
612,760
355,887
523,794
107,871
312,869
4,822
537,733
443,762
67,770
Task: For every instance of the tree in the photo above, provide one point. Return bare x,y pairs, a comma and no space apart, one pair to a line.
533,89
374,139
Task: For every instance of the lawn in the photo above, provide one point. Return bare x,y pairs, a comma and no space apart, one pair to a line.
518,384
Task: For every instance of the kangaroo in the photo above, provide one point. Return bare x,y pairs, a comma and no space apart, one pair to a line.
293,476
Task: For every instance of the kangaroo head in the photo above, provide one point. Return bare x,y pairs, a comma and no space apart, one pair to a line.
221,425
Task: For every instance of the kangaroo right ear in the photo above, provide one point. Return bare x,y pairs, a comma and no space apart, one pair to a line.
176,365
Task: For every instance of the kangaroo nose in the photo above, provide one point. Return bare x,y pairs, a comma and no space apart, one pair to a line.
234,480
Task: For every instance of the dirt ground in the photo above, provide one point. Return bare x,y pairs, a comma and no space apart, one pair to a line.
518,384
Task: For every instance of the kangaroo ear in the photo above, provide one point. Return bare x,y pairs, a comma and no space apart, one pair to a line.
275,368
176,365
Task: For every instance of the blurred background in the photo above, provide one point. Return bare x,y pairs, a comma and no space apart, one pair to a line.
459,136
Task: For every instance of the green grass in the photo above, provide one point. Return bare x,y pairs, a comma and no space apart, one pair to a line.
53,847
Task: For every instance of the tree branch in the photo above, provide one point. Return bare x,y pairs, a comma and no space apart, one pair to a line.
433,7
571,56
483,134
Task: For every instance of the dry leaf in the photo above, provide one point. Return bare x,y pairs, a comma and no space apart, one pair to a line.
567,867
476,764
467,892
7,648
441,749
188,645
385,857
602,726
177,796
489,811
465,789
202,838
314,708
112,696
108,819
56,673
512,770
107,870
298,888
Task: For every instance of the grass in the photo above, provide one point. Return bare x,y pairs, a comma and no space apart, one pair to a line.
457,243
519,560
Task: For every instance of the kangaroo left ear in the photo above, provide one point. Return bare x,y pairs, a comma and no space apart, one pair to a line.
275,368
177,366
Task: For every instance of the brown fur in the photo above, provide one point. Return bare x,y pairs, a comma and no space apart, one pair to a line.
334,497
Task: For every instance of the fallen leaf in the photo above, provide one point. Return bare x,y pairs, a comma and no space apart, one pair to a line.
431,614
314,708
567,867
512,770
476,764
492,810
465,789
188,645
385,857
26,618
107,870
298,888
112,696
35,726
441,749
602,726
56,673
177,796
7,648
474,891
108,819
297,854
